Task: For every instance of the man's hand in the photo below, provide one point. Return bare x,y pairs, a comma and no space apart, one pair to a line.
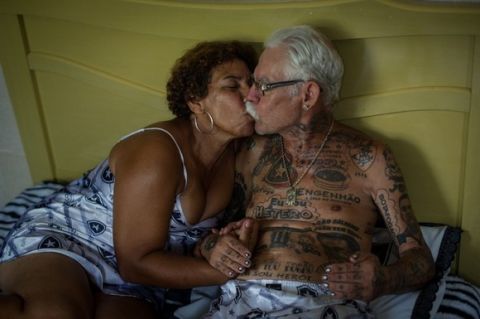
246,230
230,252
360,278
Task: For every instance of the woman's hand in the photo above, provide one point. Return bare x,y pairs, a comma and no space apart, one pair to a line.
230,252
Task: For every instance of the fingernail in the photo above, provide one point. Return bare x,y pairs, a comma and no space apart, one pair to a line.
230,274
248,255
241,269
328,269
325,285
332,293
247,263
324,277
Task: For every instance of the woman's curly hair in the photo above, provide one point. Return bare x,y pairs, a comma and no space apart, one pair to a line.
192,73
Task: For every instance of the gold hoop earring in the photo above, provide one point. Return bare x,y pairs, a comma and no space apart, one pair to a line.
212,124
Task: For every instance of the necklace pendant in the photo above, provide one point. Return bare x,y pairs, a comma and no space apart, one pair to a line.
291,196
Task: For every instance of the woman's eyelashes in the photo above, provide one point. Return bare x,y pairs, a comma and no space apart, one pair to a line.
234,84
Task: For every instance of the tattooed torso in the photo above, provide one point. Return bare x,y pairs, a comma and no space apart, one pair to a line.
334,210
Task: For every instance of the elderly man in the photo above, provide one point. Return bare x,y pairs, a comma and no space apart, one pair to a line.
315,188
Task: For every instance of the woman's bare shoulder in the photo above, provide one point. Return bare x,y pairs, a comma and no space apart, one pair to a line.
150,148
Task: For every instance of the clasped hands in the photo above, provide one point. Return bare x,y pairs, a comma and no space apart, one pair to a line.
230,249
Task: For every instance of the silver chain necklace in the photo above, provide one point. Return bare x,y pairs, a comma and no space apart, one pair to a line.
292,191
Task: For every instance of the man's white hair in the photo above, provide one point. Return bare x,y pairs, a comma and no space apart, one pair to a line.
312,57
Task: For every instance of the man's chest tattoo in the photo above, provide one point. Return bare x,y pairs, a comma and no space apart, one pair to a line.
332,171
277,174
347,155
275,207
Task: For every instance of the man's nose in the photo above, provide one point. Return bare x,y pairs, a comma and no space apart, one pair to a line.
253,95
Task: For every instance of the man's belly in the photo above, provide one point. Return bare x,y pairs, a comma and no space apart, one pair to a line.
298,251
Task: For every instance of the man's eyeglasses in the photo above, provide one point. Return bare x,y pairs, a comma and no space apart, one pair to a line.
265,87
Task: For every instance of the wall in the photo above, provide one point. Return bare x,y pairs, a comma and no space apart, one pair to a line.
14,171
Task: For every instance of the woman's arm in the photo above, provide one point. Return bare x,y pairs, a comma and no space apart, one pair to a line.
148,175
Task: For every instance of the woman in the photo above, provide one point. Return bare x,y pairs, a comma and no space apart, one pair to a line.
133,221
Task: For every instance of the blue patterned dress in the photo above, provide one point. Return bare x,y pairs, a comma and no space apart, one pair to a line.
77,222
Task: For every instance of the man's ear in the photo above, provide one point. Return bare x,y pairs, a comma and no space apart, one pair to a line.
312,94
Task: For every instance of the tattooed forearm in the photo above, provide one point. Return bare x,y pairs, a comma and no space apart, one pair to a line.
403,225
406,214
383,204
412,271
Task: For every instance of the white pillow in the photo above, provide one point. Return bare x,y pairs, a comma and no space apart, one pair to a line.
443,242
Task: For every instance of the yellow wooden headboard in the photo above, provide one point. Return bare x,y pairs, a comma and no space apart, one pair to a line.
82,73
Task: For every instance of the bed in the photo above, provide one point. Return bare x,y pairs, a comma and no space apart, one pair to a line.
82,73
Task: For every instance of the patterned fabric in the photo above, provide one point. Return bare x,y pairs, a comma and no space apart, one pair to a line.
77,222
461,300
26,200
282,299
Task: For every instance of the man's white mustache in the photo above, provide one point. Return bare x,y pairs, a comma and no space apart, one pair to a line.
251,110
